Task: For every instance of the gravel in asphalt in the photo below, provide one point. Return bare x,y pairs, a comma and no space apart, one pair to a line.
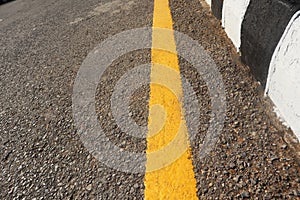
43,44
251,159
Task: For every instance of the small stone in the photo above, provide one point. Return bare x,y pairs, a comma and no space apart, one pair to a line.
267,197
237,178
89,187
253,134
296,193
236,124
225,172
253,182
232,165
131,190
245,195
284,146
274,159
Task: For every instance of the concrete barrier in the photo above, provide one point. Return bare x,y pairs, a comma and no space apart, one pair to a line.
267,34
283,83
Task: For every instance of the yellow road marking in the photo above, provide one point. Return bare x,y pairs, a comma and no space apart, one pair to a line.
168,134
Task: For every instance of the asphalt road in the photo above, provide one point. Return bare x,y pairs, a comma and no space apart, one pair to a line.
43,45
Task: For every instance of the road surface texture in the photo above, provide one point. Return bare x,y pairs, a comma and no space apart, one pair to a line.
43,44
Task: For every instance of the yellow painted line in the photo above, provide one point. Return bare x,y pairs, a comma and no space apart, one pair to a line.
169,168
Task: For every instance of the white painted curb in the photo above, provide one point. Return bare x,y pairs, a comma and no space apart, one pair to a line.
283,83
232,18
208,2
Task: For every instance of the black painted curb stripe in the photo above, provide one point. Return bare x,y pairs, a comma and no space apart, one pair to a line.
216,7
263,25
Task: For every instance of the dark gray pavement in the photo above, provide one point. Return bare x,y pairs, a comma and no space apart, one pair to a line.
43,44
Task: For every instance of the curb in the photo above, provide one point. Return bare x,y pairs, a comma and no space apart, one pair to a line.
267,35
